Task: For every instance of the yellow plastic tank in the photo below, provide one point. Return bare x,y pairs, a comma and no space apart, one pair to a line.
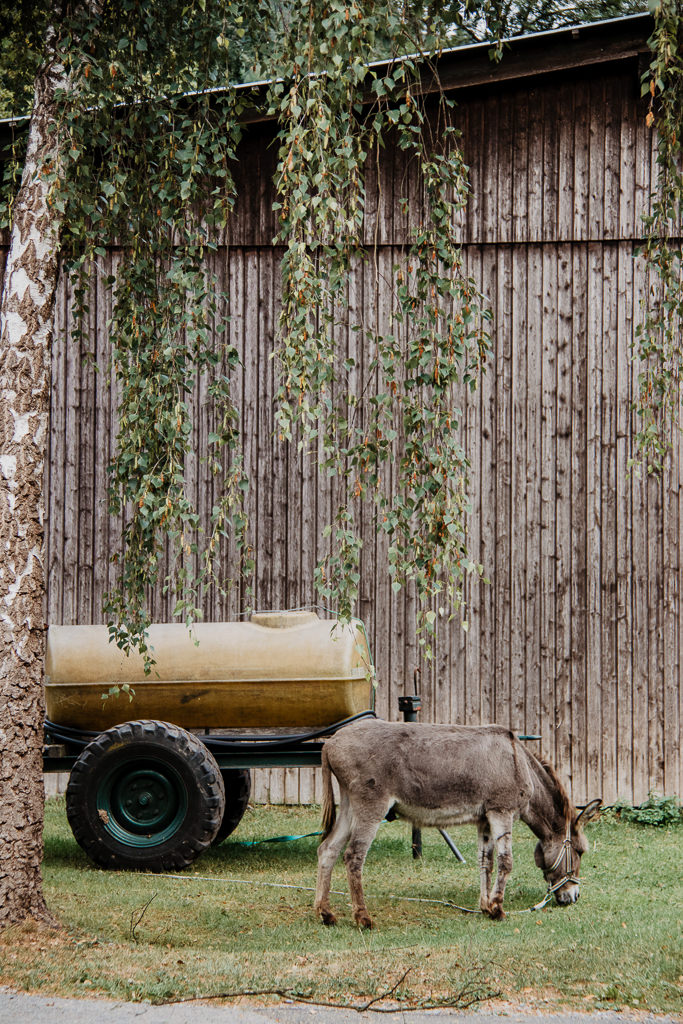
277,670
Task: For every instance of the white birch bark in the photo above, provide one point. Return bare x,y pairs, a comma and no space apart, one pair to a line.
26,319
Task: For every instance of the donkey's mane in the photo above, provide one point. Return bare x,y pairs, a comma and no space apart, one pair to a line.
561,796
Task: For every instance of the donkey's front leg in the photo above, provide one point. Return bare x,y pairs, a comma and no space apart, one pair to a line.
485,857
501,830
362,835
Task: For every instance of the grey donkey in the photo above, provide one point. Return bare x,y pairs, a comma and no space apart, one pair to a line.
440,775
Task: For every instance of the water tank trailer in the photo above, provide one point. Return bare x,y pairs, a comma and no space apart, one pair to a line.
154,790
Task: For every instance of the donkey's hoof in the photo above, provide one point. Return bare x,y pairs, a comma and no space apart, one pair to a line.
363,919
495,911
327,917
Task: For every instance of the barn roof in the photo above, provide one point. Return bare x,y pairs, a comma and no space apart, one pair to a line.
539,53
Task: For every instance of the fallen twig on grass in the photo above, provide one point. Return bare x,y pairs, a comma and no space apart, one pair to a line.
468,995
384,995
141,914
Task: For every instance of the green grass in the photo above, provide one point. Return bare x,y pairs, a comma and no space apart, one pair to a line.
219,928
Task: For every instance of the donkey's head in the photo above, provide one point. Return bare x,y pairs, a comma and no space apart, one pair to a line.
559,855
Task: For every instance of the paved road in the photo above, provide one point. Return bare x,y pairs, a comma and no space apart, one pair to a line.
18,1008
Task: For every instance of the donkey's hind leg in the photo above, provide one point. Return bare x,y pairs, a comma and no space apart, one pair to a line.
328,853
366,823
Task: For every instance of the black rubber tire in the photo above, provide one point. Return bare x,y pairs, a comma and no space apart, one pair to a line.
237,782
146,796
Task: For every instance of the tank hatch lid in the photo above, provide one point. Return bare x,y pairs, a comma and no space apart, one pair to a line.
283,620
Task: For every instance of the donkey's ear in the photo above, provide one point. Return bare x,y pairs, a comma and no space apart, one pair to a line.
589,812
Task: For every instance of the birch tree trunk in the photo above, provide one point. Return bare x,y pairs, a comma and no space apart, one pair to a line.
26,320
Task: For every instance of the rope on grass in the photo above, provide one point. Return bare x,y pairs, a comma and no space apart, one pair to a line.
334,892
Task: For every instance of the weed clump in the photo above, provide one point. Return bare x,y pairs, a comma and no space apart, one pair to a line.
657,811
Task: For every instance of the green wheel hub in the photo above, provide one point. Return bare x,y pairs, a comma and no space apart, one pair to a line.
142,802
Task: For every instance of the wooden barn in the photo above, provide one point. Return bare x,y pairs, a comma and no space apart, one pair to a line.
577,636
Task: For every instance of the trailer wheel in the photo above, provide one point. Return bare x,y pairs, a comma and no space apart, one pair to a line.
237,782
145,795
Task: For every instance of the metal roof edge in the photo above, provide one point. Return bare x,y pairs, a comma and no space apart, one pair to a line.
581,27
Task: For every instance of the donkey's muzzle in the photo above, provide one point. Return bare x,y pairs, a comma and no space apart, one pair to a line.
569,894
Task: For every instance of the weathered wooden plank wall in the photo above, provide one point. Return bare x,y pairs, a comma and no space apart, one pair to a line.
577,638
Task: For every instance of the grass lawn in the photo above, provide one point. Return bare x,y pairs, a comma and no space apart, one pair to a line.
227,925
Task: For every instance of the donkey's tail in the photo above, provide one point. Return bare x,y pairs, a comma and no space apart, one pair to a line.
329,809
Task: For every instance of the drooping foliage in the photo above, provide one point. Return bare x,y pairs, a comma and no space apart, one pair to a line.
149,129
22,37
659,343
335,113
149,133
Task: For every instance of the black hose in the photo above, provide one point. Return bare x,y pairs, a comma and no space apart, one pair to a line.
261,744
255,744
65,734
